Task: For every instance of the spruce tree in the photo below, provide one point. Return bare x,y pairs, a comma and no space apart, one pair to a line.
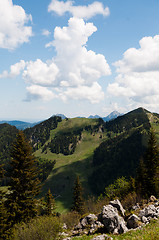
148,173
152,165
50,203
78,202
3,210
24,183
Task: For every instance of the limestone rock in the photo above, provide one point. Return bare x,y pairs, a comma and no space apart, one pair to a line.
116,203
133,221
102,237
113,223
150,212
152,199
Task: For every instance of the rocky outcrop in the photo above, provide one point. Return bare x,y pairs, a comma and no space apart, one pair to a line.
102,237
111,220
116,203
133,221
113,223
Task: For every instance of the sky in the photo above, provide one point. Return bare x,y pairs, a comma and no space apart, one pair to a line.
78,58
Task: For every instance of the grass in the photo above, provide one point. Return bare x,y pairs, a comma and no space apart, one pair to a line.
61,179
149,232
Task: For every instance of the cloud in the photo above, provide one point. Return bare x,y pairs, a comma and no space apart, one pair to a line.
85,12
46,32
15,70
13,29
93,94
40,73
138,74
36,92
73,73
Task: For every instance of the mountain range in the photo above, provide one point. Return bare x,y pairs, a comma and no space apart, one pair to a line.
98,151
23,125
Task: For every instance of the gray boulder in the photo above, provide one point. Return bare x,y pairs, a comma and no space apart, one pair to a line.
102,237
116,203
113,223
144,219
150,212
133,221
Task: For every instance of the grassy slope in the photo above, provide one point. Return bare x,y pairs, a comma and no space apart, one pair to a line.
61,180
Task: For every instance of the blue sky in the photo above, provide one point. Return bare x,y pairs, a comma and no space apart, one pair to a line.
78,57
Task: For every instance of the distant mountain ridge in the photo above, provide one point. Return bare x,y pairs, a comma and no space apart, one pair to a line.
19,124
111,116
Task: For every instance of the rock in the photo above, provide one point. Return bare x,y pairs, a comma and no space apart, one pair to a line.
135,207
116,203
152,199
102,237
91,218
84,222
144,219
113,223
150,212
64,226
133,221
78,226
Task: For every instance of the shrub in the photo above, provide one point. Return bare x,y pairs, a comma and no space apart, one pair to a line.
119,188
41,228
70,219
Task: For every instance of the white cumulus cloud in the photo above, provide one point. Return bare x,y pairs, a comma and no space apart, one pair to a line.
40,73
72,74
85,12
13,28
138,74
36,92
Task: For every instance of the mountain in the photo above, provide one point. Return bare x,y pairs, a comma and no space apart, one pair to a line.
95,116
60,115
97,151
19,124
112,116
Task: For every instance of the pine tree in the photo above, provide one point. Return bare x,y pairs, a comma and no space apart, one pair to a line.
50,203
148,173
3,210
152,165
78,202
24,184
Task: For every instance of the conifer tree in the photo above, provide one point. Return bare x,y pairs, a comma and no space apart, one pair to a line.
50,203
152,165
3,211
24,183
78,202
148,174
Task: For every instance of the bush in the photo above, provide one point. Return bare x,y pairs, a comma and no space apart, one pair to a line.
118,189
70,219
41,228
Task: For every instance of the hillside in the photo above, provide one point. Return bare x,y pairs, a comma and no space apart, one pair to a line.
19,124
7,136
98,152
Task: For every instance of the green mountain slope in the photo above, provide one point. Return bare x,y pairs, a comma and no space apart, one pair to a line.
61,180
119,155
98,152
